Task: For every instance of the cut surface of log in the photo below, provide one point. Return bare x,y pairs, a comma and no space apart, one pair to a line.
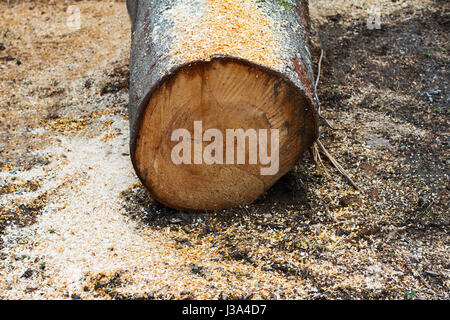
227,65
224,94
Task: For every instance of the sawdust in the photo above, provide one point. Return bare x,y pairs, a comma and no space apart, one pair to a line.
234,28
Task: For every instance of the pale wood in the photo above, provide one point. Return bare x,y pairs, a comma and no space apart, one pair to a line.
224,95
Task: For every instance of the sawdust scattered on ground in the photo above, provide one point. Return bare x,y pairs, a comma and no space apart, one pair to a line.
76,223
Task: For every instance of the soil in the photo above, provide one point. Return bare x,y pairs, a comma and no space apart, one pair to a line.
77,224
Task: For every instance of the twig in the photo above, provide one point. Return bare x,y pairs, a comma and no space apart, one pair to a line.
243,207
318,145
417,274
336,164
317,158
316,84
429,206
319,67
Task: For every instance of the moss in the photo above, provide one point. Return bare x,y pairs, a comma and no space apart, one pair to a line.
284,3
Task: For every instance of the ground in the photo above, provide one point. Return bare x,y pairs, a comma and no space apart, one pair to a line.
77,224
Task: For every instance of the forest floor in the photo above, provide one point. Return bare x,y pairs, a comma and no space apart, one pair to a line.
75,222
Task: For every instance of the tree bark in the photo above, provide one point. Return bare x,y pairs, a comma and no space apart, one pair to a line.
231,65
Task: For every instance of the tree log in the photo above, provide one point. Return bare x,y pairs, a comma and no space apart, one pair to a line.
231,65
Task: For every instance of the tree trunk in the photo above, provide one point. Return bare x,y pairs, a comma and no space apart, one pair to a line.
218,64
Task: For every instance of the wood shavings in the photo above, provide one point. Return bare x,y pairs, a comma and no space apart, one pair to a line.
230,27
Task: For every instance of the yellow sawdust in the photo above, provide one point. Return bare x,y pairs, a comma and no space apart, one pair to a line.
231,27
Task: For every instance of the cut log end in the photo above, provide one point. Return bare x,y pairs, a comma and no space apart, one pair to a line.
223,94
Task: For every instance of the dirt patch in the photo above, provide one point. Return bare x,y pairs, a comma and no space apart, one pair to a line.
21,214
